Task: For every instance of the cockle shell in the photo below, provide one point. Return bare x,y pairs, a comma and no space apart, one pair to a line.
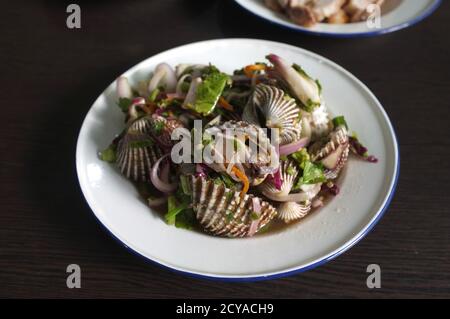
255,155
332,152
161,129
288,173
290,211
136,152
279,111
223,212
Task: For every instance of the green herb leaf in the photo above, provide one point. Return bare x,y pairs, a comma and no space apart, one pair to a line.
254,216
157,127
300,70
229,196
109,154
153,95
290,170
209,92
301,157
319,85
142,143
173,209
229,216
229,183
185,219
340,120
310,105
312,174
124,104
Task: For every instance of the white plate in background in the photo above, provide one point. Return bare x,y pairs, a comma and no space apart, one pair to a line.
396,15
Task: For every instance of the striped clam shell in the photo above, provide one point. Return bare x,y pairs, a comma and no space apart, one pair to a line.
337,137
333,153
279,112
268,188
256,155
136,153
159,127
290,211
223,212
334,172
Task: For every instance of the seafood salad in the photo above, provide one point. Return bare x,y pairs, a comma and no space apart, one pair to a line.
309,12
231,154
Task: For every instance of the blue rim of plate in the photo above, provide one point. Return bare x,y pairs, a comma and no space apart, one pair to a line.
291,272
398,27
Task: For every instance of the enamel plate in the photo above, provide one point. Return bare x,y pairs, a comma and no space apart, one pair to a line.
396,15
366,189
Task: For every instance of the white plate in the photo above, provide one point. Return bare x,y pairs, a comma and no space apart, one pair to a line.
366,188
396,15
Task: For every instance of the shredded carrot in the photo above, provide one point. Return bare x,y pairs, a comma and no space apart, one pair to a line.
224,103
149,108
250,69
243,178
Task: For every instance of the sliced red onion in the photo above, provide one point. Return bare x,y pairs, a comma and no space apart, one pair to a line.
253,227
372,159
332,188
303,87
360,150
201,170
157,201
190,97
123,88
256,205
162,185
164,76
288,149
277,181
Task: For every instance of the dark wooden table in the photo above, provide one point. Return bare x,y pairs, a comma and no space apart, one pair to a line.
50,76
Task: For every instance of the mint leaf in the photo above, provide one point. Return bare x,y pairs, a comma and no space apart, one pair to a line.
301,157
209,92
312,174
185,219
124,104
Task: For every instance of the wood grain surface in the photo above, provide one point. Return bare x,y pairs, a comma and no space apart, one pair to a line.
51,75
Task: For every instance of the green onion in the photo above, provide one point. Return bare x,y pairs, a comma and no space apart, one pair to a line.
185,187
153,95
173,209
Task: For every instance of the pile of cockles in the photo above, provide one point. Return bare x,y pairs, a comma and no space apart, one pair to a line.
308,13
231,154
